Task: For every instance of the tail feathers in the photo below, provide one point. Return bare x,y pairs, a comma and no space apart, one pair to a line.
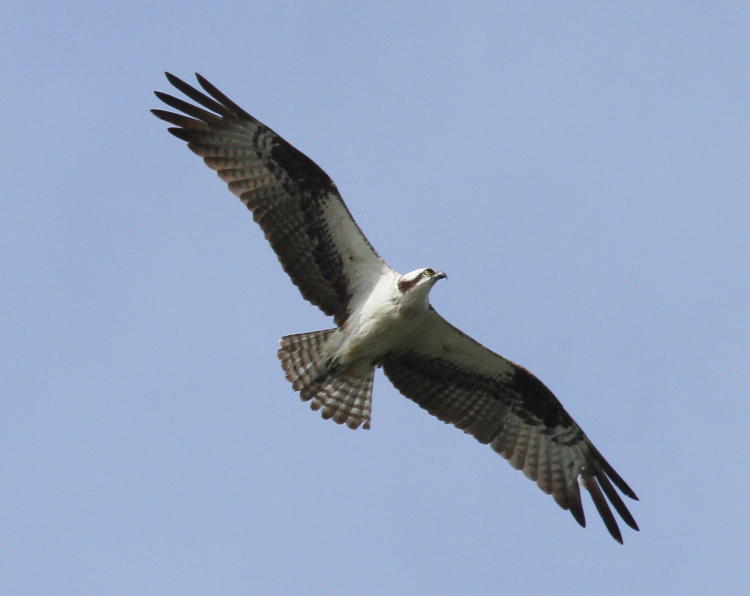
344,396
302,357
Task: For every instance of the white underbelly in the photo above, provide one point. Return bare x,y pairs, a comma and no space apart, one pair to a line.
375,332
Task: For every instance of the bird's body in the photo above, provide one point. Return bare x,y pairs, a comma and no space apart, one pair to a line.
392,316
388,317
384,318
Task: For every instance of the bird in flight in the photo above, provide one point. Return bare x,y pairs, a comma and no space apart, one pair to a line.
383,318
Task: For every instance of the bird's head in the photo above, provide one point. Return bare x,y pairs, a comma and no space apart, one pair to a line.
418,283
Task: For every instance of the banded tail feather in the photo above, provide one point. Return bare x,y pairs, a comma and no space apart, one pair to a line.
341,395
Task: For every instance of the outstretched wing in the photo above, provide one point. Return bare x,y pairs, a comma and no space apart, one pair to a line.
460,381
292,198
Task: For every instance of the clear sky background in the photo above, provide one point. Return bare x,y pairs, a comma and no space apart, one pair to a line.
580,171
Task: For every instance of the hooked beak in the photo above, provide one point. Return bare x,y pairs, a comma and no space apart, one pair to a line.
440,275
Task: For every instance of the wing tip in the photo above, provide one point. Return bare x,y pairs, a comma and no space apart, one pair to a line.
161,95
578,515
173,79
180,133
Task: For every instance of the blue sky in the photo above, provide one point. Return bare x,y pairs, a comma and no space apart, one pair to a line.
579,171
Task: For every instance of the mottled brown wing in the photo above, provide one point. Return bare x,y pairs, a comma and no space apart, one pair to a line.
295,202
500,403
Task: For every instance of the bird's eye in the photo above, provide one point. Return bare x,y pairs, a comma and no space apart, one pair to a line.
428,272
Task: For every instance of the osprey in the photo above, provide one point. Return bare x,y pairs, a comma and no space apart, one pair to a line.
384,319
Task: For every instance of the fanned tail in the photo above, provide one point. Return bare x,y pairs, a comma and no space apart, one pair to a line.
342,395
302,357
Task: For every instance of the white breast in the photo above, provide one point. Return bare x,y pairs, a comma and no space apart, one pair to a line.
379,324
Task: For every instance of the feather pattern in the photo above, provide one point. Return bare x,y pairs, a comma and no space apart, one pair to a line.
463,383
345,397
295,202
